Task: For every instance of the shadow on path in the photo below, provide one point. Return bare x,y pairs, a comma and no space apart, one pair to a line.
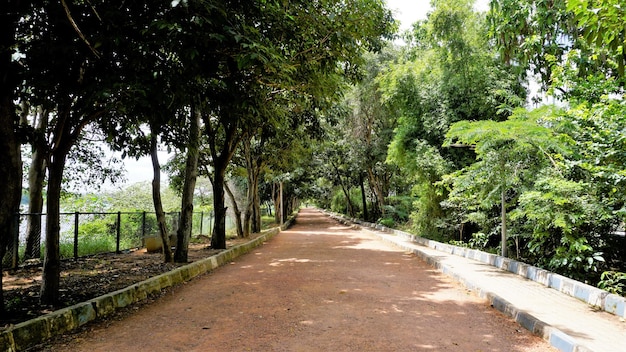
319,286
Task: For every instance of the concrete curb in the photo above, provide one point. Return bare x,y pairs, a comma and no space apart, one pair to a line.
554,336
35,331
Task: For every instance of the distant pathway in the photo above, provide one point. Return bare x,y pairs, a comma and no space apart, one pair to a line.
319,286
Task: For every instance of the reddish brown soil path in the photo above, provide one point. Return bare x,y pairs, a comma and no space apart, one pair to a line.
320,286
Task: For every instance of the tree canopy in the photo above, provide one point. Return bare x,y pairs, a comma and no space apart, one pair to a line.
313,101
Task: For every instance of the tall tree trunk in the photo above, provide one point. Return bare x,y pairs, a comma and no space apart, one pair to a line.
191,174
256,208
222,151
218,240
276,198
503,215
254,163
346,192
52,258
247,219
253,208
348,200
10,155
363,197
66,133
36,177
10,179
239,227
158,204
379,187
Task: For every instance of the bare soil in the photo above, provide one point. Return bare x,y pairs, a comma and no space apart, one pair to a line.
88,278
320,286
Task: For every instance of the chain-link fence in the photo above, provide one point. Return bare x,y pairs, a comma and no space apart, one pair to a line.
85,234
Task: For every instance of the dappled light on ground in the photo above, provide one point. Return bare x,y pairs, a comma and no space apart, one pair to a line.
313,288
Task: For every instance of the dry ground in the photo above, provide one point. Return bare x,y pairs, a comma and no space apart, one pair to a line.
88,278
319,286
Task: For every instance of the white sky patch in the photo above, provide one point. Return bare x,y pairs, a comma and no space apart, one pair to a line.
409,11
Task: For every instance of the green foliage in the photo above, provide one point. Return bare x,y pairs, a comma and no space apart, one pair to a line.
602,26
138,197
388,222
561,216
339,202
541,36
528,32
427,217
449,74
613,282
509,154
399,208
478,241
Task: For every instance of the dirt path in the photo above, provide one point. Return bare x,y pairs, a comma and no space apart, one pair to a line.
320,286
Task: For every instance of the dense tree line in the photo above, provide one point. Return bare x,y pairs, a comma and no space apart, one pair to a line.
311,100
456,126
209,79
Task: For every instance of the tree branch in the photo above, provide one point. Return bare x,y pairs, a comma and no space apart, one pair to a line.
78,31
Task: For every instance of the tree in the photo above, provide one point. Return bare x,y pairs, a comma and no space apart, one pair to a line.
73,60
36,177
259,64
191,173
369,130
159,92
528,33
10,158
541,36
601,24
66,77
508,153
451,74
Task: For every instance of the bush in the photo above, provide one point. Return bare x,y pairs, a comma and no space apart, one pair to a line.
388,222
613,282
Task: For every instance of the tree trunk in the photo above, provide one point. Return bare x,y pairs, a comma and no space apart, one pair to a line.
156,198
348,200
36,177
241,233
52,258
10,155
282,205
503,215
10,178
253,208
191,174
254,163
256,208
247,216
218,240
380,189
66,133
276,198
363,198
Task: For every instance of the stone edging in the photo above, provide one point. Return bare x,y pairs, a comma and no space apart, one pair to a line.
35,331
591,295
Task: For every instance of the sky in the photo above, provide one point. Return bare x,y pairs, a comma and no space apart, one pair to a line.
406,11
409,11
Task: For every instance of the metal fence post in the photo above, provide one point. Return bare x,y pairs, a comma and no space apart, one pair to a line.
118,231
143,225
76,235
